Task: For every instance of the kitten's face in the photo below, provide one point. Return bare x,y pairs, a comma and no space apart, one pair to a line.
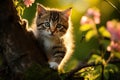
52,23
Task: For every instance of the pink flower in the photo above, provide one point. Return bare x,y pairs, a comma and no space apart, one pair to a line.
92,16
115,46
86,20
28,3
114,28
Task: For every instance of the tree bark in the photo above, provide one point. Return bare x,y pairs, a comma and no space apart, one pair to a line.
22,58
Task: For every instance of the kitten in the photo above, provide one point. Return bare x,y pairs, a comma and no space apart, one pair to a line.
50,28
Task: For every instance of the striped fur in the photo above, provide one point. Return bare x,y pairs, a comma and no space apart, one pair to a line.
49,29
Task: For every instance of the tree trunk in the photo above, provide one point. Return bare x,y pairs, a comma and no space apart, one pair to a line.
22,59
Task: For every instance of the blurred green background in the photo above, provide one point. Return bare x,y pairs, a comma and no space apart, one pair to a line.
79,7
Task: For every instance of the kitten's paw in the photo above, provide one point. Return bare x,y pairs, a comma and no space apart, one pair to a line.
53,65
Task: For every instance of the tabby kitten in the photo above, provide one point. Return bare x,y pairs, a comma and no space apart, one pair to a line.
50,28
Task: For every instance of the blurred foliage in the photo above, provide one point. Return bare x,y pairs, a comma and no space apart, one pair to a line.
89,38
36,73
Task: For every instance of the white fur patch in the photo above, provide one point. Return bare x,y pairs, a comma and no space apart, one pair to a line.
53,65
47,43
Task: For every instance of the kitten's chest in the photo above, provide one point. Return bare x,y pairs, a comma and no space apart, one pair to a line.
50,42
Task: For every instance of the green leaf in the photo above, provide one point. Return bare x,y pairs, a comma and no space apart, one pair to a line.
90,34
111,68
104,32
117,54
85,27
96,58
106,74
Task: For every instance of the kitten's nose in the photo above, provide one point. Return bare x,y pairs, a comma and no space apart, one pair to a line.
52,29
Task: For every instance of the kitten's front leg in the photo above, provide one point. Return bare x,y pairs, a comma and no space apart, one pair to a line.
58,53
53,65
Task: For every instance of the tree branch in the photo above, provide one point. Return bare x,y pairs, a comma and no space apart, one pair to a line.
111,4
19,49
85,64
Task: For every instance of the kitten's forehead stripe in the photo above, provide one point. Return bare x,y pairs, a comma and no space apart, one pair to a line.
54,16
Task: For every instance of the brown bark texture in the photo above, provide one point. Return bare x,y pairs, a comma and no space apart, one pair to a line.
21,57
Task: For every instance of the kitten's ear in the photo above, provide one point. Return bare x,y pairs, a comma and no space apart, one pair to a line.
40,9
67,12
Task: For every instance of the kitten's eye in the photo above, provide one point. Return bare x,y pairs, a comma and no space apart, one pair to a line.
59,26
47,24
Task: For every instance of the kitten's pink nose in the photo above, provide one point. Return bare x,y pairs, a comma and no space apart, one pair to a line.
52,29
